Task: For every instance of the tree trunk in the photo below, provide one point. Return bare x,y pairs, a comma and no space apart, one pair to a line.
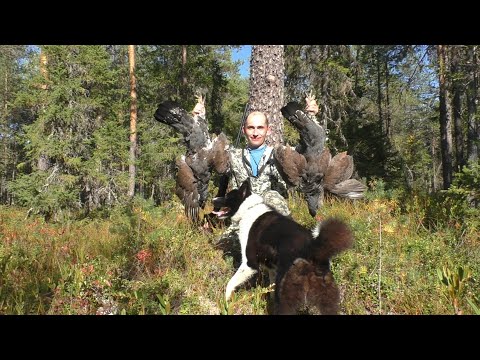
43,68
445,120
379,92
267,87
473,134
325,110
456,110
5,89
434,163
183,87
388,120
133,121
5,143
43,162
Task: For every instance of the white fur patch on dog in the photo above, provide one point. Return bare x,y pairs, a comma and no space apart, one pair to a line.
316,230
243,273
250,210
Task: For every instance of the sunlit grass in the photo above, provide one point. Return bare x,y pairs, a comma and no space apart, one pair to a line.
150,260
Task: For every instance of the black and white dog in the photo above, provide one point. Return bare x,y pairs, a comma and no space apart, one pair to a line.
298,260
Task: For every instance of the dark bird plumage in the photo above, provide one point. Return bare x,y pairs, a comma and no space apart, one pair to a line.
203,154
193,128
312,134
293,164
311,166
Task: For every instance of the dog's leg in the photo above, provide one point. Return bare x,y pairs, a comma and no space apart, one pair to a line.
243,273
271,276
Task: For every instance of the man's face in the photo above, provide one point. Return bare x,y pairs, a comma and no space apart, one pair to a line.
256,129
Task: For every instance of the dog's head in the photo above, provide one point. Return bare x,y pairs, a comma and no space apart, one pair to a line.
229,204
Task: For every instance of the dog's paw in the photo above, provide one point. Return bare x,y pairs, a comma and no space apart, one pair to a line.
228,293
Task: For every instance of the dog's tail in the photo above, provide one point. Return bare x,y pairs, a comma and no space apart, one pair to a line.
331,237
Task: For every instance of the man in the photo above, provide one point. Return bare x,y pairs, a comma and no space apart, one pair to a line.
256,162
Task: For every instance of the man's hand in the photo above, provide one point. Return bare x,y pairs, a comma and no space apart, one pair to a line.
199,109
312,106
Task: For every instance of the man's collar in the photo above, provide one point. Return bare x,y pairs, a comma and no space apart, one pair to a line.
261,147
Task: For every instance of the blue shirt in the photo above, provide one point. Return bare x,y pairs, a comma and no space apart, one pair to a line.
255,157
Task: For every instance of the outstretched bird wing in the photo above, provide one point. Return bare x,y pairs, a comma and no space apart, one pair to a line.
291,164
337,178
203,154
186,188
351,188
340,168
218,155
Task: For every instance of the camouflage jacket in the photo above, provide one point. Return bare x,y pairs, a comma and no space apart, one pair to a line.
268,177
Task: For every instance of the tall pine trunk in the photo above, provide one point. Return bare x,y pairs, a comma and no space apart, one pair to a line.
445,120
456,109
183,86
43,68
473,132
43,162
133,121
388,118
379,91
267,86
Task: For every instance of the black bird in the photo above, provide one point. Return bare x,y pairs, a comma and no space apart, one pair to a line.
203,154
311,166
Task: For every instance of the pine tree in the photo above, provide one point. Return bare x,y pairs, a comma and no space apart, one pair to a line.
80,99
267,86
11,116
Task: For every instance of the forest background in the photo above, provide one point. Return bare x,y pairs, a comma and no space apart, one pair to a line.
80,235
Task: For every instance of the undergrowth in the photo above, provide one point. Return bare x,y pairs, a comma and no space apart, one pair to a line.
146,259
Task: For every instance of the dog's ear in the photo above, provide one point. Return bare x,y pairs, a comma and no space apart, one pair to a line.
245,189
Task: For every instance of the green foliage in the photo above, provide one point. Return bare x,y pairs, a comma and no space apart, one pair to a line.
76,109
456,207
11,115
145,298
226,307
47,193
234,106
474,306
454,282
416,161
371,97
373,154
466,185
290,134
376,190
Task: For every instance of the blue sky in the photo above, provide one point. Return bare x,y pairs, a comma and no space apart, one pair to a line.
243,54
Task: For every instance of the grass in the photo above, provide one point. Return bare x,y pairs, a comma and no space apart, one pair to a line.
151,260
